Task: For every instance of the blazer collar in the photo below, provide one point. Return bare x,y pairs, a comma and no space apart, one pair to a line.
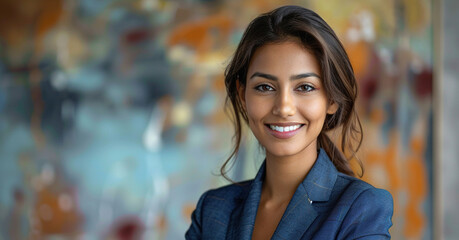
299,214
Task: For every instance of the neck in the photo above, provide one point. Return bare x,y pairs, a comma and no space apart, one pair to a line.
284,174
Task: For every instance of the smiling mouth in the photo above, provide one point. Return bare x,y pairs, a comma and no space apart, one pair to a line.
282,129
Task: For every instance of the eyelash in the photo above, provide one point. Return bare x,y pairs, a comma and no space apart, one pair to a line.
265,86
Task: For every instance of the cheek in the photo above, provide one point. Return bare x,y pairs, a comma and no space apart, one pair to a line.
314,111
256,108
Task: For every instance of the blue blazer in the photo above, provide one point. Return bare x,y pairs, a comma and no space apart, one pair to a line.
326,205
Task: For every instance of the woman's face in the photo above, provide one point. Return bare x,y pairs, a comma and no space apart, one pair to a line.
285,101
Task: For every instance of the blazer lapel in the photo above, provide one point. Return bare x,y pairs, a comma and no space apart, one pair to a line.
243,217
298,216
300,212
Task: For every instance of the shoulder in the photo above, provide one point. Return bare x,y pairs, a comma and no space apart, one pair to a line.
231,190
215,206
367,210
225,197
354,189
214,209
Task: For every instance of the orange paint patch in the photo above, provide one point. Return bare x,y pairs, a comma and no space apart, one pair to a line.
359,54
51,218
187,210
390,163
377,116
49,17
200,35
417,190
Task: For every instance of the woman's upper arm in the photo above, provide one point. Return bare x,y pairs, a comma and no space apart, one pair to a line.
195,230
369,217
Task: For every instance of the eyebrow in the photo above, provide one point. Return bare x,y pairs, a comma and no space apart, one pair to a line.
294,77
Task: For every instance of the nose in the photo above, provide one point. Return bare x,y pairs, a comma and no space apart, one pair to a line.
284,104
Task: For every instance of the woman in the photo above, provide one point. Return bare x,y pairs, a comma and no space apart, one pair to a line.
291,81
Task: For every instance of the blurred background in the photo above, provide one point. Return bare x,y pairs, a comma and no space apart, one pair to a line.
112,121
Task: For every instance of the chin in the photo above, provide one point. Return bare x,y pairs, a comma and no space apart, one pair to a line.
283,151
288,149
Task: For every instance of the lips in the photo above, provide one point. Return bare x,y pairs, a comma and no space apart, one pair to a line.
284,130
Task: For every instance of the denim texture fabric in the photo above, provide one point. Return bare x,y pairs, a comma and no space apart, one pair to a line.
326,205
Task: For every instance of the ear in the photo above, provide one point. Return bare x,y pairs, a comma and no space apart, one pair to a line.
241,92
332,108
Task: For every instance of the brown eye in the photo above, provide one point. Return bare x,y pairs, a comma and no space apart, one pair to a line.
305,88
264,88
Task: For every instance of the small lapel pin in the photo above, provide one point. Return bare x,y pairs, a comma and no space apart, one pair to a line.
310,201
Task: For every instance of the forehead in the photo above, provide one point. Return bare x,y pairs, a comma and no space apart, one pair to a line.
283,59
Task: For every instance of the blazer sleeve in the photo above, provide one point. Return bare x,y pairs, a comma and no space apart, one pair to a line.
369,217
195,230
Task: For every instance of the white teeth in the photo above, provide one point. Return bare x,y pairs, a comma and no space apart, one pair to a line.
284,129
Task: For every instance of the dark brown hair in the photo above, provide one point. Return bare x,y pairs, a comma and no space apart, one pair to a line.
337,75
